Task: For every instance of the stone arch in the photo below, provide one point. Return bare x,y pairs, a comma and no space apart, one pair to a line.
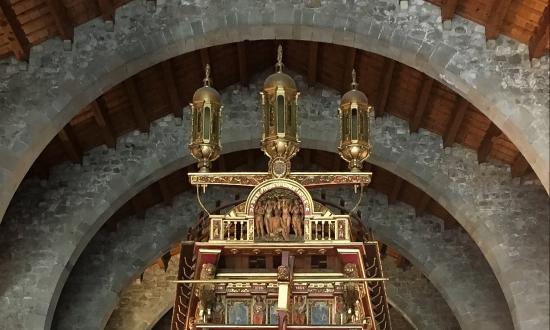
70,81
106,280
77,200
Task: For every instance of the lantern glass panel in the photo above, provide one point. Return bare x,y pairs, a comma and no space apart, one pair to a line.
280,114
354,124
206,125
195,124
215,127
345,126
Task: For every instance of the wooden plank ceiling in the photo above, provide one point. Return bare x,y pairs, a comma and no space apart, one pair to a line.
24,23
394,89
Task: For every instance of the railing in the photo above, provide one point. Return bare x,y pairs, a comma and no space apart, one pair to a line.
241,230
326,230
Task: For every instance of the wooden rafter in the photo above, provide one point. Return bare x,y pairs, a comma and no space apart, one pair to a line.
250,159
487,143
421,104
107,9
499,9
349,65
170,85
312,63
142,121
138,207
205,58
385,87
538,43
448,8
520,166
165,191
221,163
101,116
243,62
62,21
420,209
336,162
455,123
70,144
306,157
10,25
395,190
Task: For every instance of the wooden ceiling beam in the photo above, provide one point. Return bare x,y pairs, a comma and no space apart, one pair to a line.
140,117
205,58
165,191
385,87
243,62
170,84
420,209
520,166
10,25
312,63
395,190
349,65
70,144
107,9
421,104
448,9
306,156
499,9
487,143
63,22
138,207
453,127
250,159
538,43
221,164
101,117
336,162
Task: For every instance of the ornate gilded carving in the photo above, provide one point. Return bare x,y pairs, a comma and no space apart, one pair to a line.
254,179
276,213
283,274
206,293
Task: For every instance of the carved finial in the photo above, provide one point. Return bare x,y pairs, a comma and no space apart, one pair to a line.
206,79
279,65
353,79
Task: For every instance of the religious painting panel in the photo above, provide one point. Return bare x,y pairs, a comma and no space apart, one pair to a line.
238,311
320,312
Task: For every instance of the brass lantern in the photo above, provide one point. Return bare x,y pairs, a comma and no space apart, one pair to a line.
205,120
355,116
279,105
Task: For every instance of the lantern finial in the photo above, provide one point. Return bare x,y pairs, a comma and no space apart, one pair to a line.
206,79
354,79
279,65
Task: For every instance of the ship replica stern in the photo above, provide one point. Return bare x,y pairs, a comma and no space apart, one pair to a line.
280,259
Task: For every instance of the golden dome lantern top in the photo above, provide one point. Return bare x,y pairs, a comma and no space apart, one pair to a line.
279,79
206,93
354,95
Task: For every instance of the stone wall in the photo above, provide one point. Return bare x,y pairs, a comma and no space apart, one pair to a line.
51,222
38,99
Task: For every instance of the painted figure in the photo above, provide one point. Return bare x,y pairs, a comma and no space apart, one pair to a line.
297,220
299,311
259,219
258,310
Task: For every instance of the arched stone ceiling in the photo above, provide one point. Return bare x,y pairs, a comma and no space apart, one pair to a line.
58,84
78,199
113,259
